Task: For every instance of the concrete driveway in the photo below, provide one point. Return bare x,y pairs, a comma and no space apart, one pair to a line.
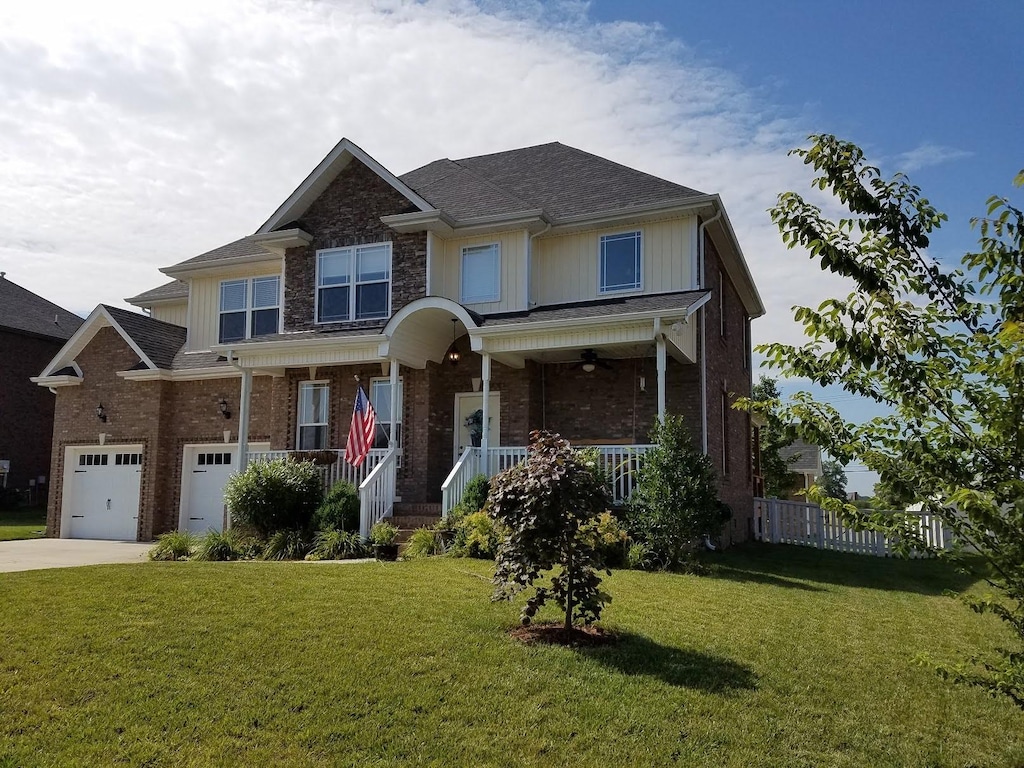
34,554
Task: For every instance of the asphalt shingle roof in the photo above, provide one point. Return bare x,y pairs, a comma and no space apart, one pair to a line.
242,247
176,289
604,307
802,456
160,341
21,310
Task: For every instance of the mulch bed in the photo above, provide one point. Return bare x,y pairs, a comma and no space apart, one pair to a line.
555,634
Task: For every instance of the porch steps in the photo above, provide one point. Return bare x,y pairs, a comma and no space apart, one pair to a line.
407,517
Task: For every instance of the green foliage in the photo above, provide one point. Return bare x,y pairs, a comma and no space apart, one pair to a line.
425,542
943,349
223,545
676,499
176,545
272,496
286,545
544,505
833,480
340,509
476,535
334,544
774,437
474,498
640,557
609,537
383,534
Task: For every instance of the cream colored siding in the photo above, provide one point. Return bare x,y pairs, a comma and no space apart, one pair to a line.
565,267
204,304
447,270
176,313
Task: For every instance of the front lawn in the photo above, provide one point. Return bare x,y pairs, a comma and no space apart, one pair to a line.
22,523
786,657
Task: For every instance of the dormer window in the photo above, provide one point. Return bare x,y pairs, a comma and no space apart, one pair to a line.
353,283
620,265
249,307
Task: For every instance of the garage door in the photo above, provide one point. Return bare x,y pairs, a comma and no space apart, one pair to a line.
101,497
205,472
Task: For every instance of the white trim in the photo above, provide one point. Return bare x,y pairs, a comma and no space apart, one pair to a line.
67,486
98,319
457,427
218,265
430,257
353,282
186,374
479,248
250,309
337,159
299,424
639,287
56,381
428,302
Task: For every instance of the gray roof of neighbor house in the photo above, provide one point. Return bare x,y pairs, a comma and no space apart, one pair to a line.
562,180
159,341
807,456
176,289
25,312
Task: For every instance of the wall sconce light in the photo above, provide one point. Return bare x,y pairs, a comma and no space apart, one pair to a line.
643,383
101,413
453,354
225,411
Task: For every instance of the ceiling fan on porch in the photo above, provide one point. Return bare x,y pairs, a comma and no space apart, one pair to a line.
589,360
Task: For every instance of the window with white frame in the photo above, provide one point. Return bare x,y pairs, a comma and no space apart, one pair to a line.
380,398
314,410
481,273
620,262
249,307
353,283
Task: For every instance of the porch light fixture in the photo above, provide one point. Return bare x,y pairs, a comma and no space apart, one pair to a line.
101,413
225,411
589,367
453,354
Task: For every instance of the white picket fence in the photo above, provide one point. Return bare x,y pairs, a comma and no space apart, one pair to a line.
808,525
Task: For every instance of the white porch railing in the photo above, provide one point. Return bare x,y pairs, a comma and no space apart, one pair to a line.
377,492
808,525
331,473
620,462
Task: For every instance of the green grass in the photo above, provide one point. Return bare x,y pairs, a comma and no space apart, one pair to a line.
23,523
786,657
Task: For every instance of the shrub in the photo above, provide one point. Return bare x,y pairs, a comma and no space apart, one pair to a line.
609,537
640,557
340,509
383,534
676,498
176,545
476,535
474,498
274,495
333,544
426,542
221,546
286,545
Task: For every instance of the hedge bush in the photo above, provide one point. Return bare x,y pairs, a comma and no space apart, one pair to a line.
339,510
273,496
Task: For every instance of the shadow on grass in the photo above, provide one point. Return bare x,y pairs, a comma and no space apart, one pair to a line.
638,655
793,566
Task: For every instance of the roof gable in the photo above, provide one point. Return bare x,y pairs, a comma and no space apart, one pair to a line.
25,312
175,290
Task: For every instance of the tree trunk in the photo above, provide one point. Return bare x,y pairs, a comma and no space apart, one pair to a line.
568,593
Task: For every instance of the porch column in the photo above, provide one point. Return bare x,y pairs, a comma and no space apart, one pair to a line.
243,419
662,365
393,371
485,440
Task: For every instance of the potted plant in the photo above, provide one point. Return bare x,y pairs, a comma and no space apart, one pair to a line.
382,537
475,424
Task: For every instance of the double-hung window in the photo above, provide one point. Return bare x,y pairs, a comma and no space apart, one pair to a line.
620,262
248,308
380,398
353,283
314,409
481,270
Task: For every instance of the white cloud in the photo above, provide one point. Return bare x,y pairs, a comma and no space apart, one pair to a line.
136,135
927,155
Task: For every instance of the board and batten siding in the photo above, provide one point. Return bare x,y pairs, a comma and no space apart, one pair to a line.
565,267
446,270
176,313
204,303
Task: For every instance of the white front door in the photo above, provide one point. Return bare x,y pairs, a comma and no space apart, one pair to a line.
205,470
466,405
101,492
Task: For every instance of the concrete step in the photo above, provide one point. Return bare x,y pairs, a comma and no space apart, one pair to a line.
405,508
412,522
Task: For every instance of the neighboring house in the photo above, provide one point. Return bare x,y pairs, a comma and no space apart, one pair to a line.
804,460
536,288
32,331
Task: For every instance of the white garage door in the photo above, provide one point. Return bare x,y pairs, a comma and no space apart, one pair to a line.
205,472
101,493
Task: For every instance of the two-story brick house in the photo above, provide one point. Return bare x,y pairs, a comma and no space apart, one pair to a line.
536,288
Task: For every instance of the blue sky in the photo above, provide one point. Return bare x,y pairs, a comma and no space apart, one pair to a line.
136,135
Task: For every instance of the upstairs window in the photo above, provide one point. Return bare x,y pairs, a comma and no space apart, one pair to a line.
314,402
380,398
620,262
249,308
353,283
481,273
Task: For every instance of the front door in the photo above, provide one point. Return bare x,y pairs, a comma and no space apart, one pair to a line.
468,421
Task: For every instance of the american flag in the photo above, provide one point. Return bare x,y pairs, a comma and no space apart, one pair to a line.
360,433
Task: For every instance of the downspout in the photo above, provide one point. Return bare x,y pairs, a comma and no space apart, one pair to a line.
529,263
703,335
